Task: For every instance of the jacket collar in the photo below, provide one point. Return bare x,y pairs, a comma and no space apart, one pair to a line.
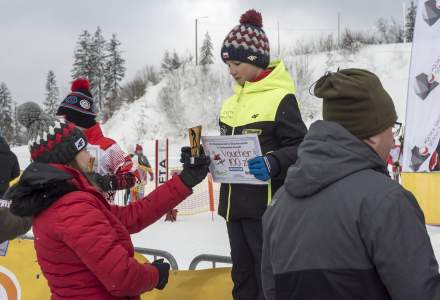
278,78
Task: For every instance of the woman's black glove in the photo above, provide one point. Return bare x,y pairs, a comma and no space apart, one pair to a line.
195,169
113,182
164,271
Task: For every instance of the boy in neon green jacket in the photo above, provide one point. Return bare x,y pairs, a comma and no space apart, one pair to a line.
263,103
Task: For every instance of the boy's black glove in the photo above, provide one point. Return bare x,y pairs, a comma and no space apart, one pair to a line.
195,169
164,271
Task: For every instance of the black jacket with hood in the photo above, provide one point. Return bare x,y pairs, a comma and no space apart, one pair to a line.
9,166
340,228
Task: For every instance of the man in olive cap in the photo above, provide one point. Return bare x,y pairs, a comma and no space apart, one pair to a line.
339,227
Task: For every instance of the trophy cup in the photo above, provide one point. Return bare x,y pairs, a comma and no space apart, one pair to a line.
194,134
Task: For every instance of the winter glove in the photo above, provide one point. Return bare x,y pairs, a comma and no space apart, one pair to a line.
123,181
195,169
164,272
113,182
263,167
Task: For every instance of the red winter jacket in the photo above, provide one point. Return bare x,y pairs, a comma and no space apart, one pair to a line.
83,244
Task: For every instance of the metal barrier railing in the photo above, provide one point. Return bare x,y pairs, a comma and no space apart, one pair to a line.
210,258
159,253
152,252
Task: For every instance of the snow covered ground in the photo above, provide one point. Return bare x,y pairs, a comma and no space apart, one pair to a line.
188,237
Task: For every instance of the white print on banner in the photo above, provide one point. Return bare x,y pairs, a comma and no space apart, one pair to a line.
161,162
426,83
432,12
422,126
9,285
424,86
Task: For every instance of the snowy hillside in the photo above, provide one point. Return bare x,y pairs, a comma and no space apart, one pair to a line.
193,96
185,98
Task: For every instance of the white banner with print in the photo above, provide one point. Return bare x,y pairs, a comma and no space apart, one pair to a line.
161,162
422,134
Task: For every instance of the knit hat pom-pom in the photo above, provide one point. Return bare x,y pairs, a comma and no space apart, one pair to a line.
252,17
28,113
80,84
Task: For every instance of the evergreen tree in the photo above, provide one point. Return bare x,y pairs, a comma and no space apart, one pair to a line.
170,62
81,65
410,22
98,58
114,73
206,56
89,62
176,61
6,113
20,137
52,94
166,64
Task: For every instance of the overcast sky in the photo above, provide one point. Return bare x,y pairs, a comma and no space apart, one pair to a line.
38,36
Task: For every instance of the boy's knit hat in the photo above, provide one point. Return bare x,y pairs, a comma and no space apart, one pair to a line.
247,42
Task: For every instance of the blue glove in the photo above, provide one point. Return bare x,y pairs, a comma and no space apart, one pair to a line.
258,166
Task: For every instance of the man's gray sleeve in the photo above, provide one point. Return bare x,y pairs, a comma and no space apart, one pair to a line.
12,226
396,240
267,276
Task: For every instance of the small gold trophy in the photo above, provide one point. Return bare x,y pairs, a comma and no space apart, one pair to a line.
194,134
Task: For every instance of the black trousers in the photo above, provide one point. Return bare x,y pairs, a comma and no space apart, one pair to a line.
246,241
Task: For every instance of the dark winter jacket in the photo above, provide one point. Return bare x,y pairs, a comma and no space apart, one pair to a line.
12,226
341,229
269,109
9,166
83,244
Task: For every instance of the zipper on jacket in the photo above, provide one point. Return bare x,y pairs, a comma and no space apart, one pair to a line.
269,192
233,131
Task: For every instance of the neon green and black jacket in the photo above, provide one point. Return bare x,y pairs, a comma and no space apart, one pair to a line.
269,109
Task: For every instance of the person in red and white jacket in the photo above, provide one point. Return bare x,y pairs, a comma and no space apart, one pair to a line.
113,168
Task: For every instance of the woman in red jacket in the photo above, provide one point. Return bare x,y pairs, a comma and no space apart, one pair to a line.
83,243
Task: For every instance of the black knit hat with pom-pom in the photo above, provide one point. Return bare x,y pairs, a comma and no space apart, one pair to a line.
78,107
247,42
50,140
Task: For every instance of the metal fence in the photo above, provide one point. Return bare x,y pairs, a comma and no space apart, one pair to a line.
159,253
209,258
214,259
